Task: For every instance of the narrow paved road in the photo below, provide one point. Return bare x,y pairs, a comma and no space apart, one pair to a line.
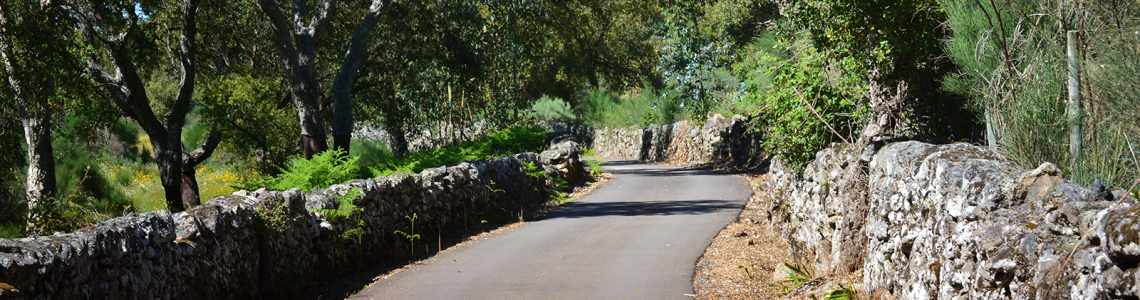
638,237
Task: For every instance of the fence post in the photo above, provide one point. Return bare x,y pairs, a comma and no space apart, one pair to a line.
1074,105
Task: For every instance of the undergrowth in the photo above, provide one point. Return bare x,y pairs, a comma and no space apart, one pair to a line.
502,142
344,213
796,277
325,169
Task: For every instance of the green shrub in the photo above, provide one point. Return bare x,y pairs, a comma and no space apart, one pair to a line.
801,111
502,142
371,153
553,108
12,230
1012,67
346,210
325,169
601,108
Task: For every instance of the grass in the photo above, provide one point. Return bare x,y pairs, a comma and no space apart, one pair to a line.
11,230
139,184
796,277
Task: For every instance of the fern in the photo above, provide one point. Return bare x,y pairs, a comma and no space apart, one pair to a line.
411,236
325,169
345,211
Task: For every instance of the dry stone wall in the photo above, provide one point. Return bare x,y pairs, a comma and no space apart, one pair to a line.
956,221
720,142
268,244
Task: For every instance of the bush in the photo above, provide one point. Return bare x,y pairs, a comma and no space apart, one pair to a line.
553,108
1012,68
601,108
325,169
800,110
502,142
371,153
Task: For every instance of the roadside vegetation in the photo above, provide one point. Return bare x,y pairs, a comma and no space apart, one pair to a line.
448,81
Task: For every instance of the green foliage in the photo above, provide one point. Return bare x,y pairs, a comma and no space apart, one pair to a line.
845,293
344,213
411,236
801,111
494,190
557,183
371,153
274,216
748,270
11,230
255,127
325,169
502,142
1011,58
65,214
823,68
796,277
533,171
594,165
601,108
553,108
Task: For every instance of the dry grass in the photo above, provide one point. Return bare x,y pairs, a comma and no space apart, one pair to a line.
748,243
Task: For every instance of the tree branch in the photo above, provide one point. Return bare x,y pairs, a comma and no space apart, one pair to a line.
321,17
177,116
281,32
193,158
342,86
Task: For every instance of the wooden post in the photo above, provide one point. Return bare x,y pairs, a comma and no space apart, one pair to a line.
1074,105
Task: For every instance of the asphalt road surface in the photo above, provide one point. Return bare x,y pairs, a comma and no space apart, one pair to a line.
637,237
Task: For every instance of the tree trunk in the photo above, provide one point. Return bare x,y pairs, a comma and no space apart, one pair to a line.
399,144
36,120
295,44
190,160
342,87
41,182
169,163
128,91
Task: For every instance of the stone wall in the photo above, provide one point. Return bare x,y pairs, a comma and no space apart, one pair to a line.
720,142
956,221
268,244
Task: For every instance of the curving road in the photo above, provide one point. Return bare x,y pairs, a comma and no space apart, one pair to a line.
638,237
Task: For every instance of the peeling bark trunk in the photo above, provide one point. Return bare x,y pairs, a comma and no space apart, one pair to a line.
190,160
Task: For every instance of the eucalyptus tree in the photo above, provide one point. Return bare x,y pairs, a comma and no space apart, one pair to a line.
120,36
604,43
296,40
425,62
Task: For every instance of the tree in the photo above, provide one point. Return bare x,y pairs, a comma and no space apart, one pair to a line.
604,41
296,44
422,53
33,56
114,31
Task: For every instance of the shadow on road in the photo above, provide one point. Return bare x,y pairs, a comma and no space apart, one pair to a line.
633,208
616,168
